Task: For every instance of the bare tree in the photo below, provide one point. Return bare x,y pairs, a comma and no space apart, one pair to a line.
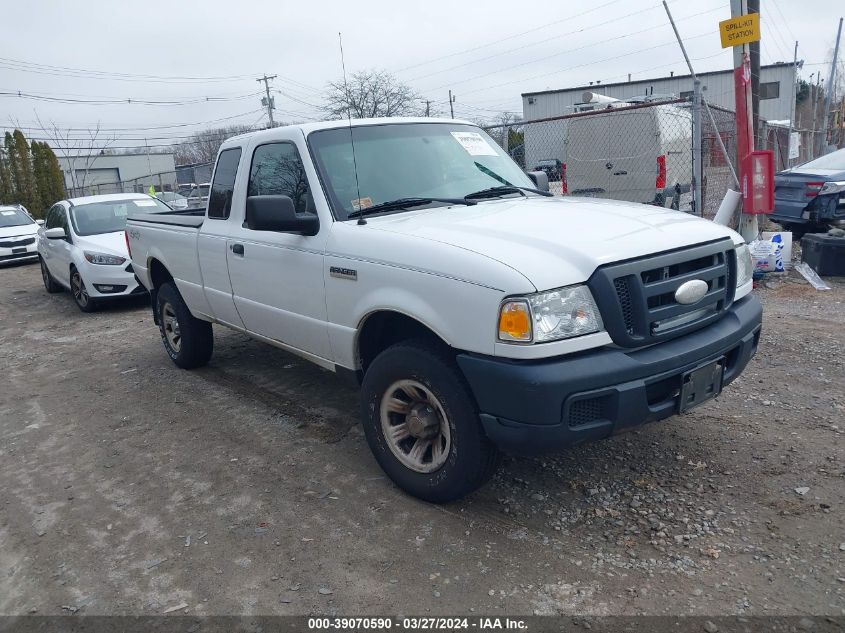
203,146
80,154
371,93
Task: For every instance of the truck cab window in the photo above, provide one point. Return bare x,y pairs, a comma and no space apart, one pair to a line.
220,197
277,169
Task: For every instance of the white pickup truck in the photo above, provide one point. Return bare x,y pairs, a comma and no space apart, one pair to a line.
477,312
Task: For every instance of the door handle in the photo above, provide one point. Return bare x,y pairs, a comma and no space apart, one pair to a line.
238,249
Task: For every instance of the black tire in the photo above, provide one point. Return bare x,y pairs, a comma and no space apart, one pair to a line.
471,459
192,342
50,284
80,293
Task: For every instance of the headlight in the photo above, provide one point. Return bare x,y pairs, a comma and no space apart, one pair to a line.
549,316
832,187
103,258
744,265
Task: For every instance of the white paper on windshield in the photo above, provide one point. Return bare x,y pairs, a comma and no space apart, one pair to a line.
144,203
474,144
9,212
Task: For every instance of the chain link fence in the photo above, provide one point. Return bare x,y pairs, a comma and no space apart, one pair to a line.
637,153
181,180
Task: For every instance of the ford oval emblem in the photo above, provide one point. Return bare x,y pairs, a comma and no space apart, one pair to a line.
691,292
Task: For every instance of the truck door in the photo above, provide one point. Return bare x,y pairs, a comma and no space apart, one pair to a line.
213,237
635,138
587,155
277,277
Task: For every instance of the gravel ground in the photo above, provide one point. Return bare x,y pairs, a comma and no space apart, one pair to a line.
128,486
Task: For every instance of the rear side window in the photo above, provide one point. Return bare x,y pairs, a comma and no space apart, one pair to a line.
220,198
277,170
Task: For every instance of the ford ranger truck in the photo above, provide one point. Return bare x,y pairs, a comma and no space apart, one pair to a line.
477,312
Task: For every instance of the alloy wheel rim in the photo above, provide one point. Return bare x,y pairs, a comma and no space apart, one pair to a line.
415,426
170,324
78,288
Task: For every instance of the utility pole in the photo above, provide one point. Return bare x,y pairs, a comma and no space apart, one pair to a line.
754,57
268,101
831,85
792,105
427,108
815,90
748,225
451,104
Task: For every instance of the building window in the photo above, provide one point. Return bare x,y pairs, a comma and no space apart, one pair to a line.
686,94
770,90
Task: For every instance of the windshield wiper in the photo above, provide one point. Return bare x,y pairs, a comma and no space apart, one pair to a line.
405,203
495,192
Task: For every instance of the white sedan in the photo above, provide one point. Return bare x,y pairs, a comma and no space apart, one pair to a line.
17,234
82,247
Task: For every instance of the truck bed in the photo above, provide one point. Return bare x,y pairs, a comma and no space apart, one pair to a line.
190,217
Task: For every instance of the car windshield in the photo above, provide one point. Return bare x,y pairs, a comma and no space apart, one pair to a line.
95,218
419,160
13,217
834,160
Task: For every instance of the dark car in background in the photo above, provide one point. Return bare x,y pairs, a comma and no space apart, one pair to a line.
811,197
552,166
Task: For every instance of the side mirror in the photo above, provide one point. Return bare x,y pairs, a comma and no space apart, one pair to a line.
40,222
56,233
277,213
540,179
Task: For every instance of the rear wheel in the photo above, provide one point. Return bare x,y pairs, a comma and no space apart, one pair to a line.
189,341
422,425
50,284
80,292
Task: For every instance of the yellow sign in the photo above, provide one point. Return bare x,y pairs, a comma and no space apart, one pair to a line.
741,30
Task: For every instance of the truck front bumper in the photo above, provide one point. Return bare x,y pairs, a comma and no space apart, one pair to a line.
533,407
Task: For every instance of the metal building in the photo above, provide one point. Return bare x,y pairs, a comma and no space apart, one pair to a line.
118,173
776,81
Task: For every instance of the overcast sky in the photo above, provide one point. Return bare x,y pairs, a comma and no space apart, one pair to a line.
487,53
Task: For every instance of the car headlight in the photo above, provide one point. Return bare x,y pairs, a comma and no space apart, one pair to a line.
832,187
744,265
549,316
104,259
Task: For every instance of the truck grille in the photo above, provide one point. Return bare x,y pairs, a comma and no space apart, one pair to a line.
637,297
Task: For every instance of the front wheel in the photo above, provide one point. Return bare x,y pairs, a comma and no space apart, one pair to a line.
80,293
188,340
422,425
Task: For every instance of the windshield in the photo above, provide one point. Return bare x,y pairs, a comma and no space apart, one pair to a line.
13,217
169,196
419,160
107,217
834,160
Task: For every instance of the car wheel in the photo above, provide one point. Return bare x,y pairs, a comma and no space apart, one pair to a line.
422,424
80,292
50,284
189,341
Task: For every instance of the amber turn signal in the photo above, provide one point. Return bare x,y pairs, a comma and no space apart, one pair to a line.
515,322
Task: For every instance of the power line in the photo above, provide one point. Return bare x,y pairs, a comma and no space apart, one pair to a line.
576,31
128,101
620,37
46,69
592,63
156,127
509,37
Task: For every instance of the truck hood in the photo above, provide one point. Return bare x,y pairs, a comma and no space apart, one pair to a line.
18,231
556,241
107,243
